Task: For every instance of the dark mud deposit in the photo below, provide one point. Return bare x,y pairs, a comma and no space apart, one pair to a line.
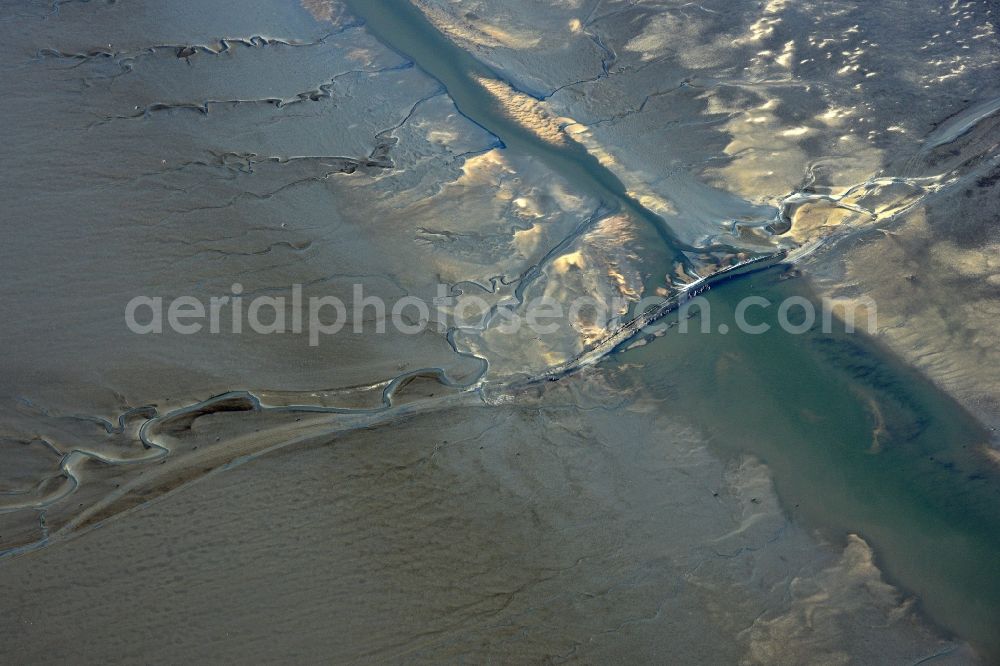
611,490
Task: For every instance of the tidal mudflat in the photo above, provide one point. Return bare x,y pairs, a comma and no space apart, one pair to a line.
661,481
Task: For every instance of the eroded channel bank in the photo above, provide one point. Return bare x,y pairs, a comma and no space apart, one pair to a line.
857,442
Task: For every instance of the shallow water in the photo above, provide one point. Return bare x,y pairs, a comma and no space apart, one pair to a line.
857,443
897,462
404,28
467,493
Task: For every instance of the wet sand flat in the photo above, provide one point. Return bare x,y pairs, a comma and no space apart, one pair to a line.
597,492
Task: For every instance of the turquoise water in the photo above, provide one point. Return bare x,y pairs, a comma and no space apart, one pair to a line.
856,441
